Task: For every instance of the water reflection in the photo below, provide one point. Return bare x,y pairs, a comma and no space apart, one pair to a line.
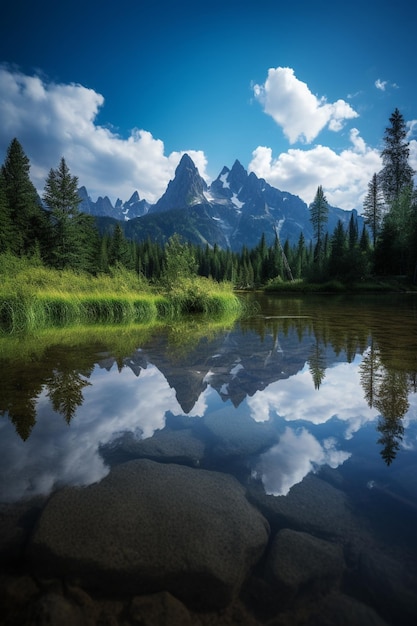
314,371
387,390
297,454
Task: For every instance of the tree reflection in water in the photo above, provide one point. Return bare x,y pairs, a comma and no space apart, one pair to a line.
387,390
320,331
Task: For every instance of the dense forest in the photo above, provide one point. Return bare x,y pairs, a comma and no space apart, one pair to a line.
53,231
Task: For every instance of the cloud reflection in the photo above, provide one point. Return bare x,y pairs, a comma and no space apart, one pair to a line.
296,454
56,454
296,398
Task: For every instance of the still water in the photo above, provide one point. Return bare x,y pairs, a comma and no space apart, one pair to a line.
310,405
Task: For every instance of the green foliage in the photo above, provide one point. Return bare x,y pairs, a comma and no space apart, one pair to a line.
373,206
71,233
319,211
180,263
397,174
26,214
6,224
33,297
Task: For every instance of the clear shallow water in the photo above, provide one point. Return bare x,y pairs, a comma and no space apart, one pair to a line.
315,385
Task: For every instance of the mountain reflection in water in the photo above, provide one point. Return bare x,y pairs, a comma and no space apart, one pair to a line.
300,365
309,403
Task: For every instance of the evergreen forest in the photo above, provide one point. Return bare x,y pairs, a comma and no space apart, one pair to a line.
52,232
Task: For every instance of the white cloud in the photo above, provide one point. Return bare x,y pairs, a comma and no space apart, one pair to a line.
53,120
115,403
344,176
296,109
296,399
296,455
381,84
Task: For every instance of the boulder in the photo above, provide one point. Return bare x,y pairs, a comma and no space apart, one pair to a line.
312,506
149,527
159,609
169,446
297,560
339,609
389,585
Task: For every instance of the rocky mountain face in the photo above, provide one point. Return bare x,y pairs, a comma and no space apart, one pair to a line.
234,211
134,207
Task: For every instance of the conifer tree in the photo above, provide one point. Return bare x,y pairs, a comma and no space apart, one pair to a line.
62,199
373,207
6,227
319,211
338,251
119,248
397,174
25,209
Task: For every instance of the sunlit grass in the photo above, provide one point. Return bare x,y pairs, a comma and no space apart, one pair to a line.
33,297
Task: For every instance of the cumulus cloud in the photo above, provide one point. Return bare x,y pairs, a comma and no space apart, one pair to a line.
296,455
296,399
53,120
115,403
300,113
344,176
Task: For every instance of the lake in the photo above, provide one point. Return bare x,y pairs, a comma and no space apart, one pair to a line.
256,472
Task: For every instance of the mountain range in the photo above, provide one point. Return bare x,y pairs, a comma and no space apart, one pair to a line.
234,211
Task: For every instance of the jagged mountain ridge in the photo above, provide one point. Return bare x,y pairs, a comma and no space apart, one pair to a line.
235,210
134,207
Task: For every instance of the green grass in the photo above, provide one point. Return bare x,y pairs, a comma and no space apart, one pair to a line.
382,285
33,297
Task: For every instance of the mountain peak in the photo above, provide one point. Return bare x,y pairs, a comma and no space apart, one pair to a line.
187,188
237,177
186,161
133,198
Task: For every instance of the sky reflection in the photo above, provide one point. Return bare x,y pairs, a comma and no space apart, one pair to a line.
296,398
57,453
297,454
318,416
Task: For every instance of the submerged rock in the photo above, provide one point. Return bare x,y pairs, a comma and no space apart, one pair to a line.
151,527
169,446
341,610
312,506
297,560
238,435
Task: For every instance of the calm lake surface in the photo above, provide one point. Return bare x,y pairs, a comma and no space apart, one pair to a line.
310,395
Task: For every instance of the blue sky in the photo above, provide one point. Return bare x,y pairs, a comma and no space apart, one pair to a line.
299,92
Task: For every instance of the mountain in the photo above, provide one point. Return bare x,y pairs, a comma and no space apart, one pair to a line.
234,211
134,207
186,189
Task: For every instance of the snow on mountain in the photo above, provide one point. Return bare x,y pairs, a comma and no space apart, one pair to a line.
235,210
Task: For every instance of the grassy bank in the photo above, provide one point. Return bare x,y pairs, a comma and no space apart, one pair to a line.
383,285
33,297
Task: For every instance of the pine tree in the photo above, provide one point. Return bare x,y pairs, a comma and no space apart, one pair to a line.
319,211
338,251
25,209
373,207
119,248
353,232
62,199
6,226
397,174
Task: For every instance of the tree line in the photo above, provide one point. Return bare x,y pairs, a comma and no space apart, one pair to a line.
55,231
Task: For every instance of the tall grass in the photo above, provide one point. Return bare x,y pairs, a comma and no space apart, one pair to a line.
33,297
